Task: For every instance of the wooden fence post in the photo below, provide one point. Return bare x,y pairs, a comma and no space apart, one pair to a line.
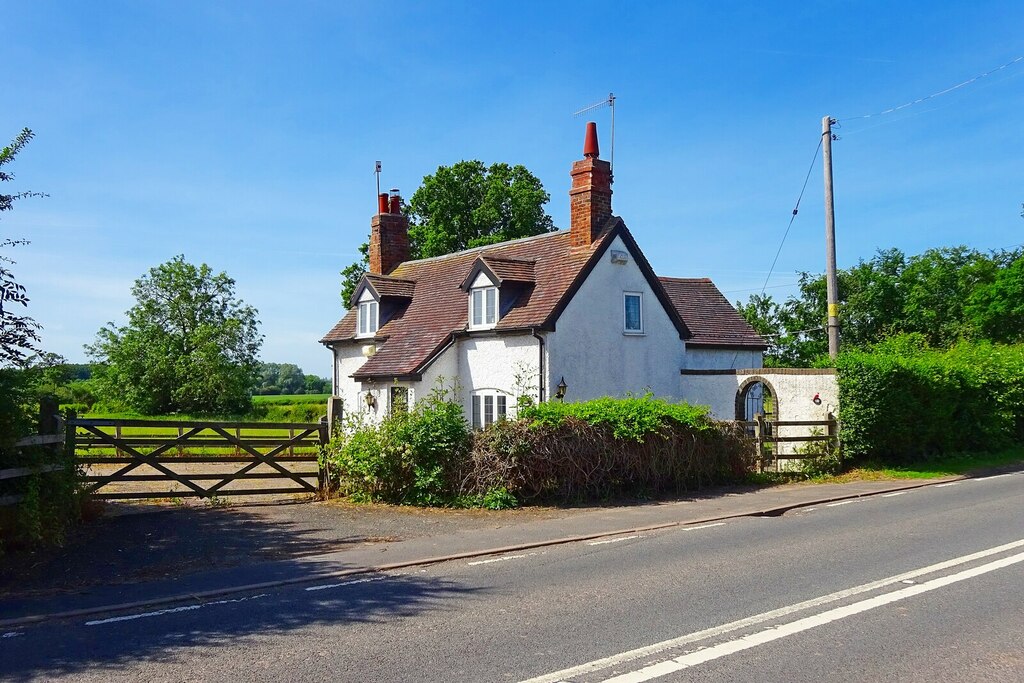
335,410
833,433
759,440
323,478
48,415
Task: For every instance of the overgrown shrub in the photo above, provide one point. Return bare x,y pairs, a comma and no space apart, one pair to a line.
606,447
48,500
902,400
409,458
554,452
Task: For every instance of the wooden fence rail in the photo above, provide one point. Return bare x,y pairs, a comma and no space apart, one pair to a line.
766,435
175,451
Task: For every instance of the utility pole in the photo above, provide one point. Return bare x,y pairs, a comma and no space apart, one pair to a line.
831,283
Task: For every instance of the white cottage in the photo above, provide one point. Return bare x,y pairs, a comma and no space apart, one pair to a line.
581,308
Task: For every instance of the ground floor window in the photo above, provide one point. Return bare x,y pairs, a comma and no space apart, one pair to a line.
399,399
488,407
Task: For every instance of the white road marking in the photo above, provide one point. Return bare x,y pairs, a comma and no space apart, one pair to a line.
701,526
781,631
170,610
325,586
656,648
614,540
948,483
896,493
503,558
995,476
11,634
842,502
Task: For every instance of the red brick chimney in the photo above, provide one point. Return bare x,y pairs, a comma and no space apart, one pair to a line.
389,235
590,199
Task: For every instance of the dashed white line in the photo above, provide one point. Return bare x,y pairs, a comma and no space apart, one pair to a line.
614,540
503,558
701,526
948,483
171,610
842,502
325,586
895,493
11,634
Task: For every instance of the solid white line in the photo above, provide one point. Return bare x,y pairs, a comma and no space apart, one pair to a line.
778,632
171,610
897,493
614,540
503,558
656,648
948,483
325,586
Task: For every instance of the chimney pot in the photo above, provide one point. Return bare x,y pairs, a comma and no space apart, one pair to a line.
396,202
382,202
590,147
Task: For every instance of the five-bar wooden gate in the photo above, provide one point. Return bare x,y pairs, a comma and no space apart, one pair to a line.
172,459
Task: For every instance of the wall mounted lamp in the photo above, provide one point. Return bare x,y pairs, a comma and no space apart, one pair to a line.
561,389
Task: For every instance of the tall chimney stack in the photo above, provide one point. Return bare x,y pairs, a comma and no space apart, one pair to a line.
590,198
389,234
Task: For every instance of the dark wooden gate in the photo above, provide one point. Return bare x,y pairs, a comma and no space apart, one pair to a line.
196,458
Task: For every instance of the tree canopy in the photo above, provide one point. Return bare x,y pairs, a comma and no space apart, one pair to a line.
942,295
19,334
288,378
467,205
189,346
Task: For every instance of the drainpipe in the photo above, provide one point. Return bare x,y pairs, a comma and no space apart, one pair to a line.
334,370
540,347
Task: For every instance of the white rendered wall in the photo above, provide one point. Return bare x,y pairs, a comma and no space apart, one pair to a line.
720,359
589,348
507,364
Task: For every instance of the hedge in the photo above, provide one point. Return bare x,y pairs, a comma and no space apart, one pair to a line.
901,400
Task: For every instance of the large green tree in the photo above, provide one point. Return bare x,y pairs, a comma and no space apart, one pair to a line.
190,345
19,334
467,205
941,296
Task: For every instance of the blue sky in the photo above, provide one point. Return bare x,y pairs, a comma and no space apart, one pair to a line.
243,135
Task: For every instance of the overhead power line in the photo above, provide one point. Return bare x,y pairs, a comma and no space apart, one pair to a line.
935,94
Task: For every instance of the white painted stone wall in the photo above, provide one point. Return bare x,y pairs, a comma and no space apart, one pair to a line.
717,359
590,349
794,390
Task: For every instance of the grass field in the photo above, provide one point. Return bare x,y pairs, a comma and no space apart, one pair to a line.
294,399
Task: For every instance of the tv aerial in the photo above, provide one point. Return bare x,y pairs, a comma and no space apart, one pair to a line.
610,103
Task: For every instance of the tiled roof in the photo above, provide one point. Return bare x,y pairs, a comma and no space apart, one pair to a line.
512,270
439,308
386,285
709,316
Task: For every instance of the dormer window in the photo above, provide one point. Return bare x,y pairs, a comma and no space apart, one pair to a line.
368,316
483,307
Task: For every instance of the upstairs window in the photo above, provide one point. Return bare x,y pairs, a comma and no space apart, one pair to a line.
367,319
483,307
633,322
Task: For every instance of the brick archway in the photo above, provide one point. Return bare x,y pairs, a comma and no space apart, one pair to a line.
744,388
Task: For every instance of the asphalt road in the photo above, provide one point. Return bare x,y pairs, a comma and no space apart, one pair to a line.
921,585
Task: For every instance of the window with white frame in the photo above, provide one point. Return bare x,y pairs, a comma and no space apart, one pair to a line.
488,408
367,318
483,307
633,312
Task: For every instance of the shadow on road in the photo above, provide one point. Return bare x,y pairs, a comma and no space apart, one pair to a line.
157,545
190,633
